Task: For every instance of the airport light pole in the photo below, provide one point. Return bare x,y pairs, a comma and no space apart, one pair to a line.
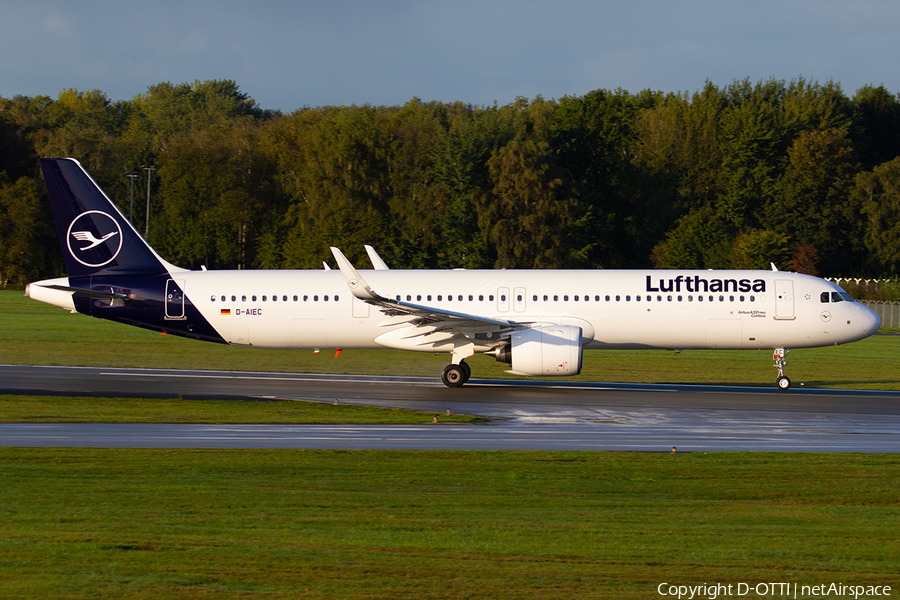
149,169
132,175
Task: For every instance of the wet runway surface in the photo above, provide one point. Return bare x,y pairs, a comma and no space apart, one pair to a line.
528,414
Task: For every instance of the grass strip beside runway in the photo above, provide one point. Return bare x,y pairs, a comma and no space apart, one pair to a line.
32,333
100,523
64,409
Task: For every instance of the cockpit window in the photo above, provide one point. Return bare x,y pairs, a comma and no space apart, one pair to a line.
841,296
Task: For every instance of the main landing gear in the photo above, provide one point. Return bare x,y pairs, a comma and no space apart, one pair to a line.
456,375
782,381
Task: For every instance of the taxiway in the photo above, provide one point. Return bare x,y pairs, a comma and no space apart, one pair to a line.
527,414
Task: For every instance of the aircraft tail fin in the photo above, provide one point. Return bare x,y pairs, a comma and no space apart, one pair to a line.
94,235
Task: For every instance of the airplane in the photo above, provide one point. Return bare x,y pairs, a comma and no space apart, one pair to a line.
537,321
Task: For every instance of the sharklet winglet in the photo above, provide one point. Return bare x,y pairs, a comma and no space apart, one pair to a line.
358,286
377,262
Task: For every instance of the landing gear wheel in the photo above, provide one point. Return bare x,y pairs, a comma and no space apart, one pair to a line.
454,375
467,370
783,383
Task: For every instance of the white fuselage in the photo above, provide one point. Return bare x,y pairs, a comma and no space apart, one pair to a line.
615,309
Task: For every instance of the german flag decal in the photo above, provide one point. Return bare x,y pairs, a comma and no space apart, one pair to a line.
226,311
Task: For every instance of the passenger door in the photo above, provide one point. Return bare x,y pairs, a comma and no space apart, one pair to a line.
174,300
784,299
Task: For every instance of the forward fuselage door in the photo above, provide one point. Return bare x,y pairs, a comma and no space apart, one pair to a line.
784,299
174,299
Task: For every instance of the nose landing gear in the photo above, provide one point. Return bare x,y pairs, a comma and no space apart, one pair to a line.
782,381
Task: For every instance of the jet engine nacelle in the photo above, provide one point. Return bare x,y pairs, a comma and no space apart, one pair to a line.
546,350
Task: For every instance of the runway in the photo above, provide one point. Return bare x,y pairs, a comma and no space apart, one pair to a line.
526,414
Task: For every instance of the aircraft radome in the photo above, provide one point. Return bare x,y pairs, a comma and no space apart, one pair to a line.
537,321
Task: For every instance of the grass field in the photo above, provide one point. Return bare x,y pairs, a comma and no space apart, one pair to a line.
35,333
392,524
63,409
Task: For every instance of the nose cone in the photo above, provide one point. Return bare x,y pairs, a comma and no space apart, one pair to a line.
869,321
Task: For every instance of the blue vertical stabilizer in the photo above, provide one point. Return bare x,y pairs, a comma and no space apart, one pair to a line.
96,239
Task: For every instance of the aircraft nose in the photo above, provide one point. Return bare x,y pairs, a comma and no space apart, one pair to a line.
870,320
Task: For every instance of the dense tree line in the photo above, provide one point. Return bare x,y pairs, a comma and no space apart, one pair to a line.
794,173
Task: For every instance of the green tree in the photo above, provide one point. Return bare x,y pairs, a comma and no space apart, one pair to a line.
592,137
459,156
416,201
812,208
216,197
166,108
876,125
17,155
29,250
532,215
700,240
759,249
878,192
677,158
334,169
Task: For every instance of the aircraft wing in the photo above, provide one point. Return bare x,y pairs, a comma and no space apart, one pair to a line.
437,327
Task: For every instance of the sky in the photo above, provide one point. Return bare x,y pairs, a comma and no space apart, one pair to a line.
288,55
